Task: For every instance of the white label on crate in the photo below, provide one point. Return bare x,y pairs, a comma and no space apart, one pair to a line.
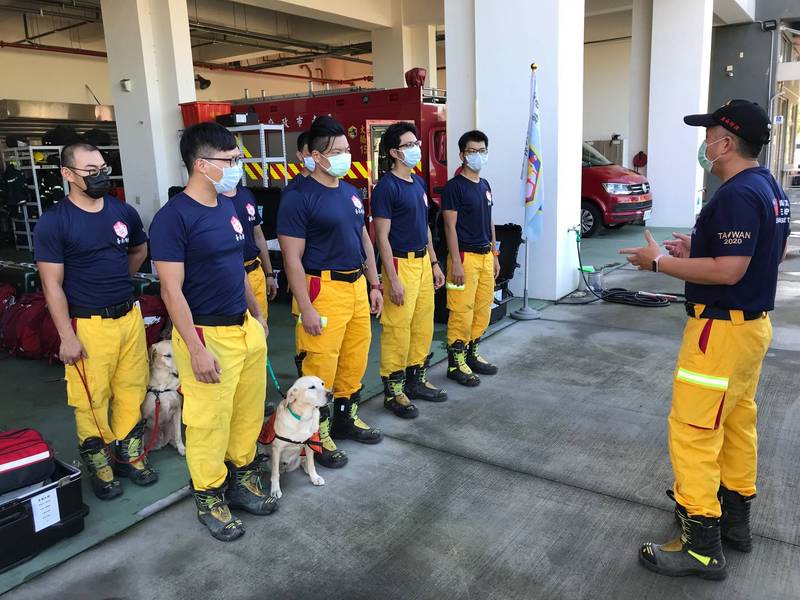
45,510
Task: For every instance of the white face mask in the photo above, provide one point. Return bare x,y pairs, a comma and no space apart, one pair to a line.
476,161
231,176
411,156
309,163
339,164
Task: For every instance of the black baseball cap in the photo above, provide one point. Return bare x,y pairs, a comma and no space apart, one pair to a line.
742,118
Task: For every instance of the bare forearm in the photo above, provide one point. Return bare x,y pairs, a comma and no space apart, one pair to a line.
452,244
431,251
250,299
387,258
136,258
263,251
372,269
181,316
59,310
296,275
703,271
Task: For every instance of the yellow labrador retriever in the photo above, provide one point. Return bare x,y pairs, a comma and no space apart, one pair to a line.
292,431
163,386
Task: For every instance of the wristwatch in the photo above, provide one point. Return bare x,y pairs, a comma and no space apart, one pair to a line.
496,252
376,286
655,262
434,263
270,274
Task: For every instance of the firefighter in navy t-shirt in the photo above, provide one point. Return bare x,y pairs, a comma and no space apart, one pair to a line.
730,266
410,273
218,338
87,247
307,164
256,255
326,254
472,264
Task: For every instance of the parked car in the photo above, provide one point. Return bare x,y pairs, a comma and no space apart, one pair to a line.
611,195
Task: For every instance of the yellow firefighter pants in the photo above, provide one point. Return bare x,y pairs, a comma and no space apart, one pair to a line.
223,419
712,424
407,329
339,355
258,281
116,372
470,308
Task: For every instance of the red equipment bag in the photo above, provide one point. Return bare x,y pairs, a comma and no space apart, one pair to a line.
25,459
21,326
154,313
51,341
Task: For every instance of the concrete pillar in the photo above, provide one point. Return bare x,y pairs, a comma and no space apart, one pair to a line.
639,99
397,49
490,91
148,43
678,86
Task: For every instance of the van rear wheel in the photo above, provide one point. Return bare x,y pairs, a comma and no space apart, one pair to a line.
591,219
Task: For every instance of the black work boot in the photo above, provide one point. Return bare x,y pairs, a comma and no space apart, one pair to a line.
457,368
418,387
395,399
476,362
735,522
245,491
133,463
213,512
331,457
698,551
96,459
348,425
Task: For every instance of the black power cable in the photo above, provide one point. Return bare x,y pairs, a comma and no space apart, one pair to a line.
621,295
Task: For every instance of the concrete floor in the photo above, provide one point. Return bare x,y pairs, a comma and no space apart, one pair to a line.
541,483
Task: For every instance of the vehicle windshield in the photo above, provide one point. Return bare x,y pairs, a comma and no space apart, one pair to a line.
592,158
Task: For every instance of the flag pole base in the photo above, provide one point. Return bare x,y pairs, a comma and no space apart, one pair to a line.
526,313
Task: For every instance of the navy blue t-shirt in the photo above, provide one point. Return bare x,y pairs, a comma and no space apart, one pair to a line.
406,204
247,210
330,220
93,247
293,183
209,241
748,216
473,203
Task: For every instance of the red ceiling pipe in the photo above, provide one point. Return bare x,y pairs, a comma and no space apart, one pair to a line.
202,65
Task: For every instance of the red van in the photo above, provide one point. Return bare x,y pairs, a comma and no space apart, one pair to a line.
611,195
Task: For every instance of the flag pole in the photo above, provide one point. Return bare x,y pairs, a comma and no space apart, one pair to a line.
526,313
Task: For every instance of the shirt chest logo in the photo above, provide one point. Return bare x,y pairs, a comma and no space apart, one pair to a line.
237,227
357,203
251,212
122,232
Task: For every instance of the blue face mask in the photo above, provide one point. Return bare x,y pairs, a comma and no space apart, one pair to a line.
309,163
339,164
477,161
231,176
411,156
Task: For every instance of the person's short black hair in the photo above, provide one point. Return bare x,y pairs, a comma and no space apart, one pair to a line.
390,140
68,152
323,131
747,149
472,136
203,139
302,141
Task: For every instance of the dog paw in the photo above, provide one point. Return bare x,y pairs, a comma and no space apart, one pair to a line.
276,493
317,480
182,450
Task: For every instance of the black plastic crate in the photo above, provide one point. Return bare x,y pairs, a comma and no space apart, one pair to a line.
20,540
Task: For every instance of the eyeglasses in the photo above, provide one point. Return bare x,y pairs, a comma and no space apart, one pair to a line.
234,161
481,151
410,145
93,171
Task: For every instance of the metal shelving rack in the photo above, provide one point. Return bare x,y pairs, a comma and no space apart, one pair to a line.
262,159
25,160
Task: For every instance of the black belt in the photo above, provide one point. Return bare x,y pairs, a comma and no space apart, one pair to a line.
721,314
410,254
110,312
349,277
219,320
252,266
485,249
